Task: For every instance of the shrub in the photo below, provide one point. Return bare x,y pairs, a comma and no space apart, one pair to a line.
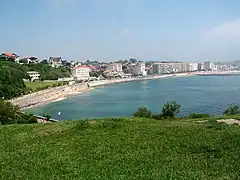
157,116
170,109
232,110
143,112
197,115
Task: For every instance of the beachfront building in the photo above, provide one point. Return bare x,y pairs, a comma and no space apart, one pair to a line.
192,67
55,62
81,72
169,67
200,67
34,75
138,69
208,66
115,67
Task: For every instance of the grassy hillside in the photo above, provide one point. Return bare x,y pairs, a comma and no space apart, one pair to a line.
37,86
120,149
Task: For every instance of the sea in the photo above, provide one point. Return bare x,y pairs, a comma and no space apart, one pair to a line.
195,94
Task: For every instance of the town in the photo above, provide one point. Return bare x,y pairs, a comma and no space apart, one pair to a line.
94,70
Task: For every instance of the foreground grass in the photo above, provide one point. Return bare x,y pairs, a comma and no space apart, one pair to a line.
120,149
37,86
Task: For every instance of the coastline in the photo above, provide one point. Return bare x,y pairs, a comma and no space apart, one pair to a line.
55,94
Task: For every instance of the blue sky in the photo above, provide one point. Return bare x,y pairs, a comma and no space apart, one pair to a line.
108,30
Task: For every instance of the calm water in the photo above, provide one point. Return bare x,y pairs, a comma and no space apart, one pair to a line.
212,94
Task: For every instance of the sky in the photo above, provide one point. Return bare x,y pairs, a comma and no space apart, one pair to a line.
109,30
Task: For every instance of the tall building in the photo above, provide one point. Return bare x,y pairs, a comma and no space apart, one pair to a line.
168,68
200,66
115,67
208,66
81,72
138,69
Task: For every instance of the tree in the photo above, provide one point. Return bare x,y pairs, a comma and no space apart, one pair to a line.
132,60
45,61
170,109
232,110
11,114
143,112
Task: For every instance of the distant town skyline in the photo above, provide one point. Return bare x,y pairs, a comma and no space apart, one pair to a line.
111,30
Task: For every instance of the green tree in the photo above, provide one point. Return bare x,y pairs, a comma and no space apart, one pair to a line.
11,114
143,112
232,110
170,109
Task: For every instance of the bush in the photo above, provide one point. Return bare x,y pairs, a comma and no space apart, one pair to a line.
143,112
232,110
10,114
158,117
197,116
170,109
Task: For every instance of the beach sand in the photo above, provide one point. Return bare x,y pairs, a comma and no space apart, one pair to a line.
60,93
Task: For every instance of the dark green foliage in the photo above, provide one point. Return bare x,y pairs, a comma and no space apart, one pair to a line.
232,110
47,116
47,72
198,115
10,114
143,112
158,116
11,83
170,109
12,75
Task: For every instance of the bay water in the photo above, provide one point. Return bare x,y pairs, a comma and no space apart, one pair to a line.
196,94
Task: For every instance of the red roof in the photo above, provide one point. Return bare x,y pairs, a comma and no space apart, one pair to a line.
8,54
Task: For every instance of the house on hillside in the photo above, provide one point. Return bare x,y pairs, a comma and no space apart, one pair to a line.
55,61
28,60
9,56
34,75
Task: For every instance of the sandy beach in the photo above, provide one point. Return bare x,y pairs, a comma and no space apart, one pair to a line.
60,93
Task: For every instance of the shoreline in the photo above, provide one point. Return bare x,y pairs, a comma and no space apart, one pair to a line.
56,94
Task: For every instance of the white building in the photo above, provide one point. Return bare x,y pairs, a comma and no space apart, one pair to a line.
138,69
192,67
169,67
115,67
81,72
34,75
55,62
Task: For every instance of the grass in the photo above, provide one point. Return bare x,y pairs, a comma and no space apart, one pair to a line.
37,86
120,149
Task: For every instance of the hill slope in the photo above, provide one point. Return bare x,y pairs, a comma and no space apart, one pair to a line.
120,149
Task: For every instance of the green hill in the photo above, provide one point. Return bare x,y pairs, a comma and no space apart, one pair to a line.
120,149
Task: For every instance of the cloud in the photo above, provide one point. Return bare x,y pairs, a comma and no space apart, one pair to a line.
230,29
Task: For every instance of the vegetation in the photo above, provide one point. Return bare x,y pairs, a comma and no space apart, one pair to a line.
11,83
197,115
170,109
143,112
47,72
38,86
120,149
10,114
232,110
12,75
